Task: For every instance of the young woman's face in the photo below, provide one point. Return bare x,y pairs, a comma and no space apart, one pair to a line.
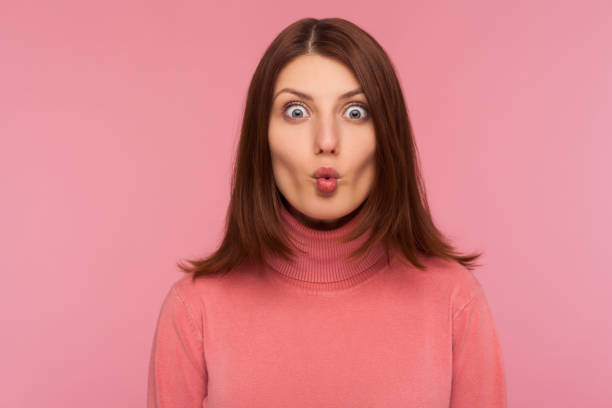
326,130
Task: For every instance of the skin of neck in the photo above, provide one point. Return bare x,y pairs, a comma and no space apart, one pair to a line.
318,224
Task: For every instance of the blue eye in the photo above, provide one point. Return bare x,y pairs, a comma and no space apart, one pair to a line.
357,111
298,112
354,112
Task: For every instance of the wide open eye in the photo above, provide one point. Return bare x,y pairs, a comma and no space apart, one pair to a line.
357,112
295,110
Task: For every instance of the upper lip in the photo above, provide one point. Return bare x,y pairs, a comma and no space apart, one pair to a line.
326,172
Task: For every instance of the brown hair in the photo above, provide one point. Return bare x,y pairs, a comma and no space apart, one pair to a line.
396,207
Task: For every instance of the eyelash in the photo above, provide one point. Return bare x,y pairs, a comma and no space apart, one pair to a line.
359,104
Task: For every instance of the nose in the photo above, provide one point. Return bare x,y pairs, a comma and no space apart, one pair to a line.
326,139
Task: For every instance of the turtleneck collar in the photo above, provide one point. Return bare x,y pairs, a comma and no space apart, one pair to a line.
324,265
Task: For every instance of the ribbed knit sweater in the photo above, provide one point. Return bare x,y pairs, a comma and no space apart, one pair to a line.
326,332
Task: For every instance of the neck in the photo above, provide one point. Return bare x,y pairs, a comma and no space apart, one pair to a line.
317,224
321,261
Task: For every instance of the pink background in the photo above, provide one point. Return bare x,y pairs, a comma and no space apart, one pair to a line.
118,124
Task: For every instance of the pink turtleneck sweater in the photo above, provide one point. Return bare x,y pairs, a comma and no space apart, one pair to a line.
325,332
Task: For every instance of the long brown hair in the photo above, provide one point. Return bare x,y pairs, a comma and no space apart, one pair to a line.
396,207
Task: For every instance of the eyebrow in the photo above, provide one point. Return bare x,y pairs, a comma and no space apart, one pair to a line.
310,98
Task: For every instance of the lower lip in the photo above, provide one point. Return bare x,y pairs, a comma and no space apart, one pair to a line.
326,186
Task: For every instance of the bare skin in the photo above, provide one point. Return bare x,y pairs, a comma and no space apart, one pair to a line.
328,130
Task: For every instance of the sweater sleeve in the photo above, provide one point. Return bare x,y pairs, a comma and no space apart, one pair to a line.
478,369
177,367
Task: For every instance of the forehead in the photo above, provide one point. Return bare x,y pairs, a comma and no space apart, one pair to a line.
316,75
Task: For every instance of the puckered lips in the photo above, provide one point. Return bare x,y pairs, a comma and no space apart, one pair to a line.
326,172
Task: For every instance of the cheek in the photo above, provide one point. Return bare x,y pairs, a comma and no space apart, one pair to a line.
281,150
363,159
287,159
279,139
288,145
363,149
365,170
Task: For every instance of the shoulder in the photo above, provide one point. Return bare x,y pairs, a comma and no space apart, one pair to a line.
192,294
454,282
211,288
464,287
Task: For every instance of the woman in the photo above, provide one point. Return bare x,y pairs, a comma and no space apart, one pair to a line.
373,308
